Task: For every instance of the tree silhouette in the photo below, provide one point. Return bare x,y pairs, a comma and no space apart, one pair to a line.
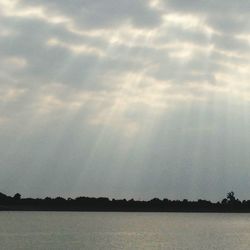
82,203
231,197
17,196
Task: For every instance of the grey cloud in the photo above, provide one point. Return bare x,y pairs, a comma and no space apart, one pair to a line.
49,64
200,68
176,33
46,64
229,24
232,44
233,20
101,14
211,6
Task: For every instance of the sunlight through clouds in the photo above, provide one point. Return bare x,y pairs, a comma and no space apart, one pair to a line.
124,95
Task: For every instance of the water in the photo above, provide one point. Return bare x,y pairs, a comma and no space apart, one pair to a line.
107,231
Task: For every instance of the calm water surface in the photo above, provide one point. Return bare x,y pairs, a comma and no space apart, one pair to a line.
107,231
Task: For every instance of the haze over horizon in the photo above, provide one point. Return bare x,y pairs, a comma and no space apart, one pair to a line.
125,99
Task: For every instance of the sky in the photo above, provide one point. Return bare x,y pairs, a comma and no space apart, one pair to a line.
115,98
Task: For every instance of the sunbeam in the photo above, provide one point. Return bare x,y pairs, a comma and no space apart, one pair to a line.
133,98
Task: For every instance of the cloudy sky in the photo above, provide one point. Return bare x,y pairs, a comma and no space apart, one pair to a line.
135,98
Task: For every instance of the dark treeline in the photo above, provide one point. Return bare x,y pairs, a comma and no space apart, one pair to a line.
17,203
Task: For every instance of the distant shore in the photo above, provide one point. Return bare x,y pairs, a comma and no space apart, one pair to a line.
102,204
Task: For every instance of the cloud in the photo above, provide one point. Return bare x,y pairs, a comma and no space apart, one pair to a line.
101,14
203,7
65,44
114,78
234,19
